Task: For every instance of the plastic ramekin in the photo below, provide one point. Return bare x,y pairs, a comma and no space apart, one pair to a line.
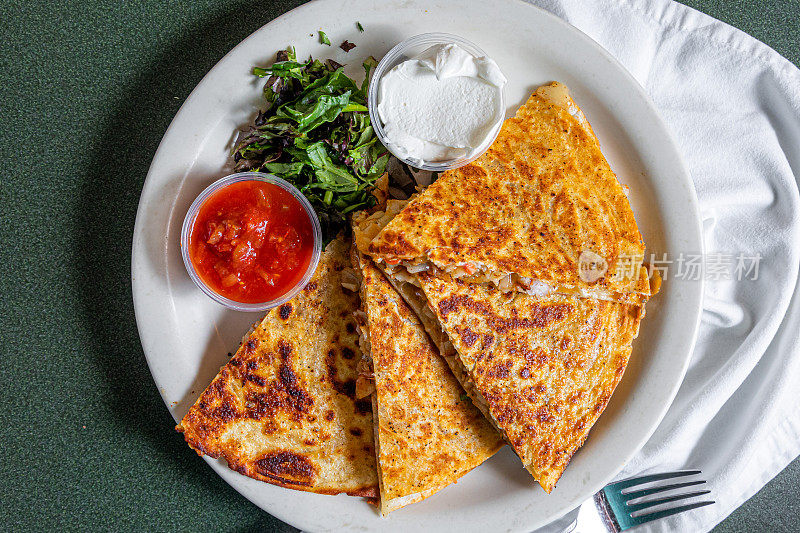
191,216
409,49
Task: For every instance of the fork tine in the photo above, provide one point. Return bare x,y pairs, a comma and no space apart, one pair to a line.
624,484
633,507
637,520
646,492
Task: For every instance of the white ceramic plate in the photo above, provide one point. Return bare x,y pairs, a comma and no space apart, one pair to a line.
186,336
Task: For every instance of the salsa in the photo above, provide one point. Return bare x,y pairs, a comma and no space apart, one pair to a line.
251,242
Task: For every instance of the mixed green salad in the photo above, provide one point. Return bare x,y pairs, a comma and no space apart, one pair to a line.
316,134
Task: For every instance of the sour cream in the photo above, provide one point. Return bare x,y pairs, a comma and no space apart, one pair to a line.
441,105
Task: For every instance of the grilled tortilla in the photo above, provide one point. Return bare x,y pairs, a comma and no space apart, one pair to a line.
542,367
427,432
283,410
538,206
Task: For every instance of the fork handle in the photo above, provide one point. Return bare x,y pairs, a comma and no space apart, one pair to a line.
604,510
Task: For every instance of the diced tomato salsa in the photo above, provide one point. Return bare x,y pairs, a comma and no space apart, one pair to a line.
251,242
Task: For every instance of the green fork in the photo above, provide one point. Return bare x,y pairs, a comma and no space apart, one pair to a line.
619,510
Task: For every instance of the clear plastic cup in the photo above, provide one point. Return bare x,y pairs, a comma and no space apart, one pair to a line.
191,216
409,49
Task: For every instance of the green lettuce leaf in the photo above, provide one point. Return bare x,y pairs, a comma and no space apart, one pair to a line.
315,132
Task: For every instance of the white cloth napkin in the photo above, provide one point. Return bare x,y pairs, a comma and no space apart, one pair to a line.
733,105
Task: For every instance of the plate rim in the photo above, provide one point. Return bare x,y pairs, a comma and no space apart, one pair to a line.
670,146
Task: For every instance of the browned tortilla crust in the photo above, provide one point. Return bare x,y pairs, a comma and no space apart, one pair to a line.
428,432
531,205
283,410
545,366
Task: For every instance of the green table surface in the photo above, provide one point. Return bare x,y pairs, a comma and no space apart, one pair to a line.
88,89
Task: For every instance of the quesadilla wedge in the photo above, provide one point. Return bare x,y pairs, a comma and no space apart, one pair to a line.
571,351
283,410
528,215
543,368
427,432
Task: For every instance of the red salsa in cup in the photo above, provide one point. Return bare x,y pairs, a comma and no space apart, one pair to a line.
251,241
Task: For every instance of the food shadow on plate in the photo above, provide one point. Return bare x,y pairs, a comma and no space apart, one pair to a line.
229,328
166,218
507,466
127,136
